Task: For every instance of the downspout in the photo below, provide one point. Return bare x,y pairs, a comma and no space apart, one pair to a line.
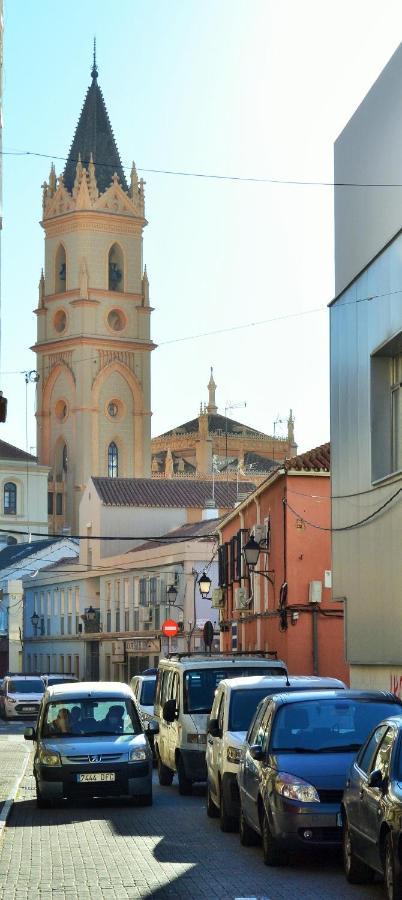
315,639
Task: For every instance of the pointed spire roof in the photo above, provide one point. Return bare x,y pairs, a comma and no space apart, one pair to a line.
94,135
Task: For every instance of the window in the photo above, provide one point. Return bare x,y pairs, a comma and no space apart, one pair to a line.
126,606
65,458
116,269
112,461
61,270
382,758
386,409
59,504
50,503
153,591
10,499
143,592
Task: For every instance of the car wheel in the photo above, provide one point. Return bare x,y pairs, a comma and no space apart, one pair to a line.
165,775
185,785
272,854
41,801
356,871
392,872
248,837
212,810
144,799
228,823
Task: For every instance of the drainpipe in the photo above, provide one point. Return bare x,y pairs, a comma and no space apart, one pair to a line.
315,639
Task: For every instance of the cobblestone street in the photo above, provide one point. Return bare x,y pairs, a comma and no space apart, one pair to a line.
117,850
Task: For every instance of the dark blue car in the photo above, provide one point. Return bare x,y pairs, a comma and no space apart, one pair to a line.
294,764
372,810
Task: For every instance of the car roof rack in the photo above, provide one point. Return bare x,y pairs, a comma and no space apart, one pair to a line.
221,654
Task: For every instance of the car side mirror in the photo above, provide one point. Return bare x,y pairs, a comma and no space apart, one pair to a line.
169,710
375,779
29,734
153,727
213,728
256,752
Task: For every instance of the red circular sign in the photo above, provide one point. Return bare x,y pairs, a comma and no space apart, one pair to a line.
170,628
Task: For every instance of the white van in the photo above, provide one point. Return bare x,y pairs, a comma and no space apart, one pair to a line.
235,703
185,690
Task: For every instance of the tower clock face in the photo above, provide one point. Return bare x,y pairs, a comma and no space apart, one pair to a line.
116,320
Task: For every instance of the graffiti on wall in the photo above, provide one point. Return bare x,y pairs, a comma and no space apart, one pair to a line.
396,685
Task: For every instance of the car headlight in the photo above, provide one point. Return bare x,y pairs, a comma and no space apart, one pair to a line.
196,738
49,758
233,755
136,755
12,700
294,788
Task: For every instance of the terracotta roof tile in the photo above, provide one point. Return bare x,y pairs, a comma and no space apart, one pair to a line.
317,460
167,492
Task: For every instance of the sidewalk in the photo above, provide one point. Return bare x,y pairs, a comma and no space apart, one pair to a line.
14,753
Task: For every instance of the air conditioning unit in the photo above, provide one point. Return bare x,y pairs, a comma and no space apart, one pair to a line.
315,592
241,600
218,599
259,533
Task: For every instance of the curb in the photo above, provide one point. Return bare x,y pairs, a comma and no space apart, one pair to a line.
8,804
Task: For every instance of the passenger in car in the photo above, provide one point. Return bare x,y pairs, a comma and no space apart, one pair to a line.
114,720
61,724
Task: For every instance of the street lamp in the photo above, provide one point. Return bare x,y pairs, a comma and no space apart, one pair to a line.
171,594
90,614
251,552
35,622
204,584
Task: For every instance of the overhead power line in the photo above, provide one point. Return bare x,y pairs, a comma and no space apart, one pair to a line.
169,539
179,173
352,525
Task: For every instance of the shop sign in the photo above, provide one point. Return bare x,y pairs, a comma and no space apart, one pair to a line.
118,651
149,644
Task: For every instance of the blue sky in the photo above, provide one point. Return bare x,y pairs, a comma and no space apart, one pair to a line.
247,87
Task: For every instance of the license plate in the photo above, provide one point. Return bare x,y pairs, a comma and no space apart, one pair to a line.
97,776
29,709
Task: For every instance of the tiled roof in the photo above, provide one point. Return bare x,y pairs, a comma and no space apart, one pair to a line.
317,460
15,553
217,424
8,451
94,135
168,492
188,531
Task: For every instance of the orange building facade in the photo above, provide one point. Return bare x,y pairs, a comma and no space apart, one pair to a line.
285,604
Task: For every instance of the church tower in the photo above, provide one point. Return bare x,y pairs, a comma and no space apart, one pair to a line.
93,319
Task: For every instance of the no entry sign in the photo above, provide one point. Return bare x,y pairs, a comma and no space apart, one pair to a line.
170,628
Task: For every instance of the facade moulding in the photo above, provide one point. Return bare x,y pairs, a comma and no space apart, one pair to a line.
81,341
88,221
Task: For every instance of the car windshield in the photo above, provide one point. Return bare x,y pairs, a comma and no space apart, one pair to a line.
243,704
90,718
26,686
200,684
148,692
50,681
319,726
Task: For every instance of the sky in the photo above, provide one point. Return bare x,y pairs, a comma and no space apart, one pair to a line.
240,271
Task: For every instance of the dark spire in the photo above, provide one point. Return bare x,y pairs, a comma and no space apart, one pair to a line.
94,135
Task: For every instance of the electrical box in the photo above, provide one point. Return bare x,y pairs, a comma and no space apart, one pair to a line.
260,533
315,592
218,599
241,600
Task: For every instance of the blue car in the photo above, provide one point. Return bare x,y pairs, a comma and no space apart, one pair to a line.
294,764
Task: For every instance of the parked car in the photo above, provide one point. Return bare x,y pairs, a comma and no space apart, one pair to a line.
20,696
50,680
294,764
236,700
372,810
185,691
90,741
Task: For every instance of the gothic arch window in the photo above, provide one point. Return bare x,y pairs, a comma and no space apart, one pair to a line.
61,270
64,458
61,460
116,268
10,499
112,460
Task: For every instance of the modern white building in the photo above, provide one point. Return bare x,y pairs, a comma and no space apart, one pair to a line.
366,384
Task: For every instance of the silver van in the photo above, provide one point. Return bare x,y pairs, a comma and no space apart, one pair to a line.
90,742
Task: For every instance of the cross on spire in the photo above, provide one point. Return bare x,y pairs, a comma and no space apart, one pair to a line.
94,71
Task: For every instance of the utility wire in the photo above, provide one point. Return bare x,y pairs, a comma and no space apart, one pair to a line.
214,176
170,539
344,527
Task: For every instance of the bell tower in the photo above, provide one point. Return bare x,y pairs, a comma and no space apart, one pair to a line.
93,319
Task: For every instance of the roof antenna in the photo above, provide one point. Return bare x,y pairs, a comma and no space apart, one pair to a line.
94,72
